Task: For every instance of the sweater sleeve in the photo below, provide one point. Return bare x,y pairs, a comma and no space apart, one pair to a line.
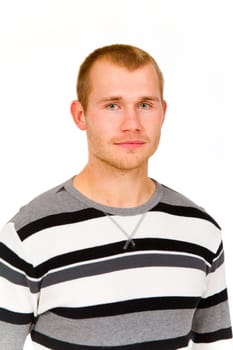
211,324
18,292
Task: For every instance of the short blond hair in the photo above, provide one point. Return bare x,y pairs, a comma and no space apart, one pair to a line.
127,56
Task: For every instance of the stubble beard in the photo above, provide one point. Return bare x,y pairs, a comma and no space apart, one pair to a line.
112,156
120,161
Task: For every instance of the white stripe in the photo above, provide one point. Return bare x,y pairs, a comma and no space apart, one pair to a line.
123,285
67,238
10,238
100,231
37,346
17,298
215,282
219,345
186,229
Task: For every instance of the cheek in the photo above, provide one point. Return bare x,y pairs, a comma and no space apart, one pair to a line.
103,129
153,128
97,133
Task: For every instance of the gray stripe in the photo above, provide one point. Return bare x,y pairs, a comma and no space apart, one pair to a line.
217,263
175,198
212,318
66,198
12,337
18,278
122,263
101,267
52,202
117,330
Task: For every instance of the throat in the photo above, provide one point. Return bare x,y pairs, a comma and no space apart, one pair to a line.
115,192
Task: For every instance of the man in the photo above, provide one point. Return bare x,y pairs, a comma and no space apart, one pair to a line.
112,259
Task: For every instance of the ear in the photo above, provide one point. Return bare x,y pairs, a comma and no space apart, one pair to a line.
78,114
164,106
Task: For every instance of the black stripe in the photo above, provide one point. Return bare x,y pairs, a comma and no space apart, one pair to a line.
114,249
14,260
15,317
129,306
220,248
166,344
213,300
55,344
58,220
184,211
92,213
221,334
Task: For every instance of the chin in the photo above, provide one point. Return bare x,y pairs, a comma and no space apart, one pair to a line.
128,164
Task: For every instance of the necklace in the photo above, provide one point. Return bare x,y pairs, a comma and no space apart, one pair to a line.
129,236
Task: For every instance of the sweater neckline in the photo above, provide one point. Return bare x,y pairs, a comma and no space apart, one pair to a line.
149,204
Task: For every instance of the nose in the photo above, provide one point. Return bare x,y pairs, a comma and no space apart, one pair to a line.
131,120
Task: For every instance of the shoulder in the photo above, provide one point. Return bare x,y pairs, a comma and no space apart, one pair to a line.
53,202
181,205
173,197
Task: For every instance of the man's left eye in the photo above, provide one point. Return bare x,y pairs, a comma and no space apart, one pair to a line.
144,105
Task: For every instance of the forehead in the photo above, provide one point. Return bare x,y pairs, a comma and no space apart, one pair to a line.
106,75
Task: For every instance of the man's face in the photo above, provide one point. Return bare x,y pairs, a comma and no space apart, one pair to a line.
124,115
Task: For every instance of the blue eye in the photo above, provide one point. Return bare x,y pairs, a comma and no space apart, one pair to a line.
112,106
144,105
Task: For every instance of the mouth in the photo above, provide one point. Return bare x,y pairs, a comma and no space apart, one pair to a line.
130,143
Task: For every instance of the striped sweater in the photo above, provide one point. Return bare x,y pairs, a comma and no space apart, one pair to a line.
78,275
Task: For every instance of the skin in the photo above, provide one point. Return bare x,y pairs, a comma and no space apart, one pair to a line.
123,122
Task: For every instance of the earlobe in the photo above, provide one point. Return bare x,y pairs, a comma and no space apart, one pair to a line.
78,114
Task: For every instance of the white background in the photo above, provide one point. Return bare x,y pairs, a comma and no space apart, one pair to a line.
42,44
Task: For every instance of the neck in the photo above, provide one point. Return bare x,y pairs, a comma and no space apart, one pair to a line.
115,188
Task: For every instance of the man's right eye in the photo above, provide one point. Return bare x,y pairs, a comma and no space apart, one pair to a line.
112,106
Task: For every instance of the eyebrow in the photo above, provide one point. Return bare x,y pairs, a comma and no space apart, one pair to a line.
119,98
110,98
150,98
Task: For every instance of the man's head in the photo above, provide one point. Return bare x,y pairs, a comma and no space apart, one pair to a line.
125,56
120,106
